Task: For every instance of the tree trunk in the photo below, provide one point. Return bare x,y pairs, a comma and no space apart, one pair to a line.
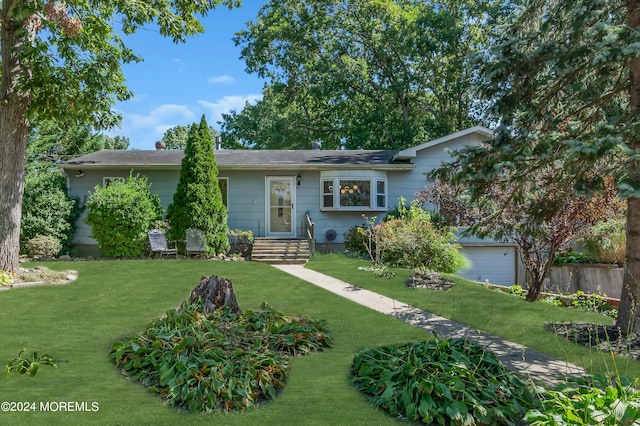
14,130
629,309
216,293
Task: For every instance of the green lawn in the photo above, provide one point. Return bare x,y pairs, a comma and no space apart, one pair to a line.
79,321
495,312
111,299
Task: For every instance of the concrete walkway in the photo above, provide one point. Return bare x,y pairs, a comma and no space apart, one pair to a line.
527,362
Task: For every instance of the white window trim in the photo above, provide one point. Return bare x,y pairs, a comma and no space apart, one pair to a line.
106,179
373,197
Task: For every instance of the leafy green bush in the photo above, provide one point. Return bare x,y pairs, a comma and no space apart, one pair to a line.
43,246
356,240
411,241
401,211
517,290
553,300
415,242
120,215
584,301
221,361
240,242
239,236
589,302
441,381
47,208
607,242
592,400
566,257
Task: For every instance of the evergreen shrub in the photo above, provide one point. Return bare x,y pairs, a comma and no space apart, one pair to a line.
197,202
43,246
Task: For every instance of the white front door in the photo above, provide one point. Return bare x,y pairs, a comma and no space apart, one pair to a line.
280,206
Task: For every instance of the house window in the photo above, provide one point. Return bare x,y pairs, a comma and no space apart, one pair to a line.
107,181
223,184
381,194
354,193
327,193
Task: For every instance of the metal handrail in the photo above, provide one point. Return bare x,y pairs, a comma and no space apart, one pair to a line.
308,227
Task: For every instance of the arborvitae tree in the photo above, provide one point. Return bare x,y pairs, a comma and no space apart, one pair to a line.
197,202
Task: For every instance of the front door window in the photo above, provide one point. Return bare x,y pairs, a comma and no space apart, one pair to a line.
280,207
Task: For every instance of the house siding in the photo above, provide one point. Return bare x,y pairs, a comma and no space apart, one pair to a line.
246,193
246,198
162,183
406,184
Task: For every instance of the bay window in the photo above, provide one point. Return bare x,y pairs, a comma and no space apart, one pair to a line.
368,192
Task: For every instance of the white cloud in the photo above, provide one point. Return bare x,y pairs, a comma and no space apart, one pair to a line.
226,104
159,116
221,79
144,129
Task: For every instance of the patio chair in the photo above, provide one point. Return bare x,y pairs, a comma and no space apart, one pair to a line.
159,244
195,241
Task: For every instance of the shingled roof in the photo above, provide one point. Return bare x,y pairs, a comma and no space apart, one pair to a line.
243,159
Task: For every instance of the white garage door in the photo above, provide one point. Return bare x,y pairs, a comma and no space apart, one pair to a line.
496,264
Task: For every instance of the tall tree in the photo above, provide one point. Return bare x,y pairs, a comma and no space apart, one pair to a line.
58,140
370,73
60,60
176,137
47,208
274,122
563,79
541,217
197,202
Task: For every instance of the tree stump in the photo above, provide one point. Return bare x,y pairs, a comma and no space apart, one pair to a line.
216,293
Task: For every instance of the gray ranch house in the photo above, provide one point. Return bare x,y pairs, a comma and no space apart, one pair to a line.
273,192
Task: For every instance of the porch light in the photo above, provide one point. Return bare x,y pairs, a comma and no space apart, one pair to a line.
299,180
79,173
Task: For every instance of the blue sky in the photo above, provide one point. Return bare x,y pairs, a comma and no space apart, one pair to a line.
178,83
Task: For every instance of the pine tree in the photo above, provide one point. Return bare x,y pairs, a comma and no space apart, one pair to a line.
197,202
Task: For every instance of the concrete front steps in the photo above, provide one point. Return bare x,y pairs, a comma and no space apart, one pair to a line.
280,251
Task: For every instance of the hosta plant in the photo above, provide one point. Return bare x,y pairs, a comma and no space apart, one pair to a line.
6,278
441,381
219,361
593,400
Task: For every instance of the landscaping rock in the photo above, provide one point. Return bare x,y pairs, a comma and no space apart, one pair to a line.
429,280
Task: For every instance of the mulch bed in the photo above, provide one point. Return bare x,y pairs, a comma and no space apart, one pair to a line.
600,337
